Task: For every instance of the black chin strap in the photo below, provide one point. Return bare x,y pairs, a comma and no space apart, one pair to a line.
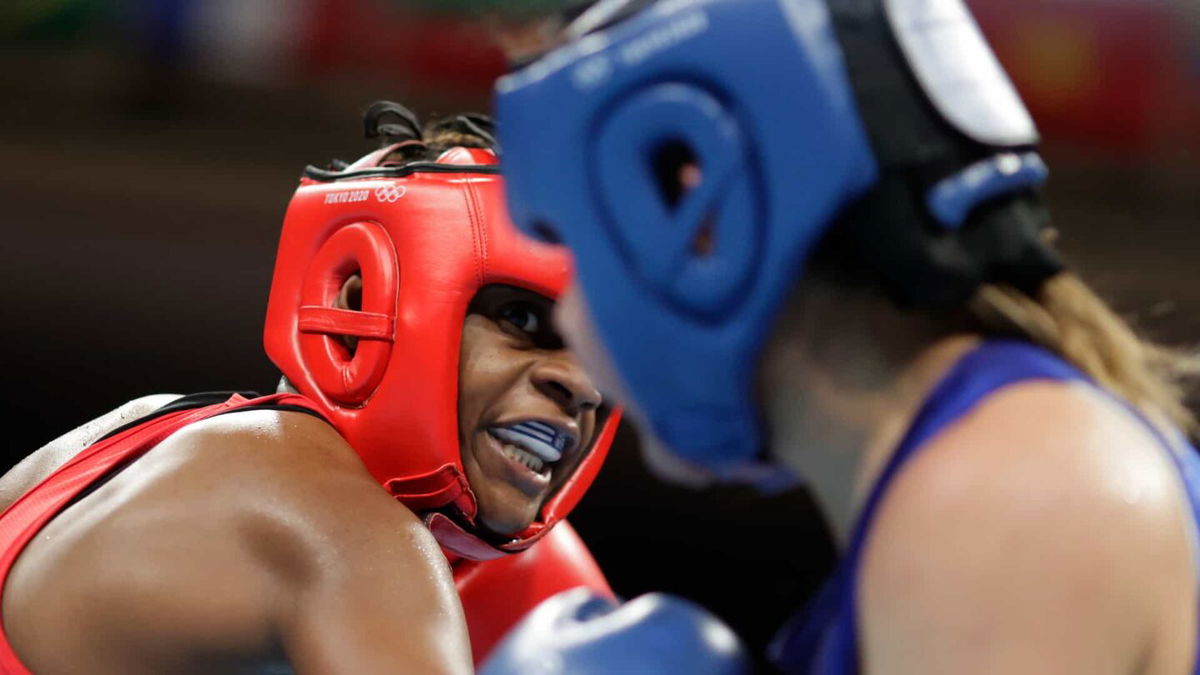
925,262
925,266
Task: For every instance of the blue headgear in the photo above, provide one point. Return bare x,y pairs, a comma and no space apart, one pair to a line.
890,114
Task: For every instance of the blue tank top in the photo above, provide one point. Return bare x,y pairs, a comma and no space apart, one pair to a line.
823,639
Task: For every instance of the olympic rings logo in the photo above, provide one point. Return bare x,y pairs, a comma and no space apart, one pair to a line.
390,193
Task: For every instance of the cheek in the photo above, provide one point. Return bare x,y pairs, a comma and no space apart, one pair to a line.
474,362
486,369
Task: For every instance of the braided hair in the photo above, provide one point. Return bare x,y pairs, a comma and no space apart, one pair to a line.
393,123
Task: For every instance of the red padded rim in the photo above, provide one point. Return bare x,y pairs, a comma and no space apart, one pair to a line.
342,377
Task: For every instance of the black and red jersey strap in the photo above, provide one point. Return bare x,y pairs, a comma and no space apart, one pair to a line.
207,398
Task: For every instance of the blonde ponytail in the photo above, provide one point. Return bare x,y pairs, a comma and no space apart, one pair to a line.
1068,318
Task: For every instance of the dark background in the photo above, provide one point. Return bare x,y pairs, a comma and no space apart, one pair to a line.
148,149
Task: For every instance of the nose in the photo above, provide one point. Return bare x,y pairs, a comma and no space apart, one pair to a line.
562,380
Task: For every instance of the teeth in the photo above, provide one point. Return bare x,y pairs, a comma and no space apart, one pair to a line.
542,440
526,458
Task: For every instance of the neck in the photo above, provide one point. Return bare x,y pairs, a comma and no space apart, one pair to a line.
839,436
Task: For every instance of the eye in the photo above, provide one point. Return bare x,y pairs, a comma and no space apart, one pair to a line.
529,322
522,317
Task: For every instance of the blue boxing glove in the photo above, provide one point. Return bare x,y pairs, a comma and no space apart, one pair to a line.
582,633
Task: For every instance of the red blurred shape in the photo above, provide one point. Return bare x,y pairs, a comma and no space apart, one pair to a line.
374,38
1105,74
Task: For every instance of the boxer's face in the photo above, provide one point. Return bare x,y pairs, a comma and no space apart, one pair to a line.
526,409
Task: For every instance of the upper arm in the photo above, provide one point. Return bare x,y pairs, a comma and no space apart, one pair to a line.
45,460
254,536
377,595
1052,547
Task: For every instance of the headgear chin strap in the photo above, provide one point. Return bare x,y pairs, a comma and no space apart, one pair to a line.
795,113
426,237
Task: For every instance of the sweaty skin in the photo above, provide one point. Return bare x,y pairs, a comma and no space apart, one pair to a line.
1069,533
241,541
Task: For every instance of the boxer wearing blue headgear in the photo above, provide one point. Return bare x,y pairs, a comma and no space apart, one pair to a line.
809,242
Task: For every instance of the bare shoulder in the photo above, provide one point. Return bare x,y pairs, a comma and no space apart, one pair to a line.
45,460
247,536
1045,448
296,477
359,579
1050,518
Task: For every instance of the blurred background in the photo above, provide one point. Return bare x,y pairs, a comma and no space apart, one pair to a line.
148,149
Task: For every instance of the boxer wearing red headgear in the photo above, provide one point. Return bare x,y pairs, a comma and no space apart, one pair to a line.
414,324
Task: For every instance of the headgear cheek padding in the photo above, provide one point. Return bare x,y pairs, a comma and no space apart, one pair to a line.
426,237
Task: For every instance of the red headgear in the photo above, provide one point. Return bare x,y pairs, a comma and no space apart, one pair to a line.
426,238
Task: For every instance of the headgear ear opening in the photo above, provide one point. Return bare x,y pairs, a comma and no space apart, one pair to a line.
349,378
640,151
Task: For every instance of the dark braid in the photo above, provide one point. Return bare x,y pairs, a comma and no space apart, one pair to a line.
467,130
393,123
